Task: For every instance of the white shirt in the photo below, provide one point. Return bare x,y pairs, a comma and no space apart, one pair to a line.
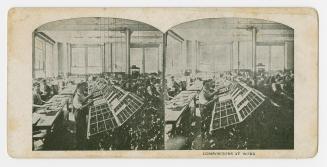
78,100
202,98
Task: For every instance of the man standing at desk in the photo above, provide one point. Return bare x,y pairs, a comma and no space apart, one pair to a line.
80,105
206,106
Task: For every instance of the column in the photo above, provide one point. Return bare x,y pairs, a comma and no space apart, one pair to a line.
33,54
86,61
69,62
254,55
128,53
158,58
288,55
238,57
164,51
103,52
269,59
143,60
111,60
188,54
231,56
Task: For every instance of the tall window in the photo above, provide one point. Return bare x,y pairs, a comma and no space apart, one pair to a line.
136,57
86,59
39,55
78,60
94,60
173,58
43,65
277,58
263,56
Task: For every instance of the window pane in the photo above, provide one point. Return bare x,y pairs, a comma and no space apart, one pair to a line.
263,57
277,58
173,63
49,59
119,57
136,57
38,59
38,43
78,59
151,60
94,56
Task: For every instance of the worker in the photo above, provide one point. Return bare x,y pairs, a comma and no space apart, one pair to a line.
37,100
45,90
80,105
206,99
172,87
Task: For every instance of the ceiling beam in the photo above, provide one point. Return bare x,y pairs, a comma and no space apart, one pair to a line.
94,27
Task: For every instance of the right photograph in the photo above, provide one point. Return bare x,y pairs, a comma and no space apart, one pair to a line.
229,85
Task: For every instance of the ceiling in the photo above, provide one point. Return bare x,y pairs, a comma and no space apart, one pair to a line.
95,24
231,29
93,30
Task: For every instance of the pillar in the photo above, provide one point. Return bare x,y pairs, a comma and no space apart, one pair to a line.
231,56
164,52
238,57
158,59
269,59
196,55
254,54
33,54
128,53
143,60
111,60
103,56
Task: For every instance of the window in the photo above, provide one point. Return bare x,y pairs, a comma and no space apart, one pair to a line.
94,56
263,57
136,57
78,59
174,53
39,54
277,58
49,59
43,65
86,59
151,60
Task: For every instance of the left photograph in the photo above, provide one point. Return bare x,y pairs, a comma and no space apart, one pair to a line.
97,85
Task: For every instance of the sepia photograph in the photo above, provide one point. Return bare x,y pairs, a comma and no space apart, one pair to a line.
162,82
230,85
97,85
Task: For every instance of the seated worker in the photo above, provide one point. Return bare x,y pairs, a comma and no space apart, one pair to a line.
80,104
173,87
37,100
206,106
45,90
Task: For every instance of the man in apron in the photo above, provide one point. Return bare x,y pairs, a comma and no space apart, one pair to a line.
206,99
81,104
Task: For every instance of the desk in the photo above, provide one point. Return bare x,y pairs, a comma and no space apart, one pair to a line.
175,108
197,86
45,118
235,105
68,90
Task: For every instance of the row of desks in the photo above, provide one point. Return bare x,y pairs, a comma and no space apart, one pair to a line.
175,107
111,108
234,106
45,118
